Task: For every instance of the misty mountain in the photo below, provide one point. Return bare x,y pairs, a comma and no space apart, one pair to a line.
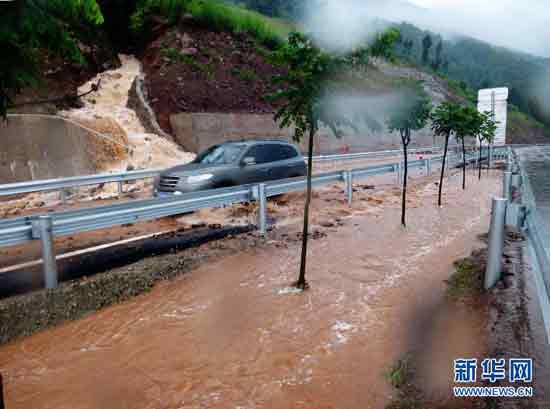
345,24
481,65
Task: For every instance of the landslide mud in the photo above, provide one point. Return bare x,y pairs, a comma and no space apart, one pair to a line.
232,334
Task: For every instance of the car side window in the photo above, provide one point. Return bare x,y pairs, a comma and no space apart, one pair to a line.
287,152
271,153
261,153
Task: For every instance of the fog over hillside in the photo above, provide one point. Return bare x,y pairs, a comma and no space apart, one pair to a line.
523,26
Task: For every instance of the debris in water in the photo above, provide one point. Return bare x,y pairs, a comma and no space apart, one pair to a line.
290,290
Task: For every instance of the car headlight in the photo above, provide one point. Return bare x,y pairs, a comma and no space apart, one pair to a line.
199,178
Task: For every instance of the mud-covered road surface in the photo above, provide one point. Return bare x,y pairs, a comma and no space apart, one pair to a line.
232,334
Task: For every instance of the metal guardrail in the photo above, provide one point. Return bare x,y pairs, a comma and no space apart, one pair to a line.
537,232
375,154
75,181
121,177
18,229
46,226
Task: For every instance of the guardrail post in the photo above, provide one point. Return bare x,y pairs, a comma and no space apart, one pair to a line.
120,188
348,178
514,213
496,242
63,196
490,156
428,163
262,209
507,185
43,229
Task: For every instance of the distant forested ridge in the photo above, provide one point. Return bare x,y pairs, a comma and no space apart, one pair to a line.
477,64
471,64
290,9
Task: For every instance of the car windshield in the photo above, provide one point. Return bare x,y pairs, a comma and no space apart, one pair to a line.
221,154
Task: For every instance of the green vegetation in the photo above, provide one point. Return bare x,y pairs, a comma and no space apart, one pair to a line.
290,9
29,26
469,123
486,131
411,115
383,44
171,10
443,124
461,89
467,280
399,375
214,14
472,64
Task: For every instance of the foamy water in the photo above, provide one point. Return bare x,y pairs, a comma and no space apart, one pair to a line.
149,150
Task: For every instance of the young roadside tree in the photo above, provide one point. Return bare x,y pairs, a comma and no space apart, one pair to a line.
445,120
27,26
311,77
412,114
468,123
486,134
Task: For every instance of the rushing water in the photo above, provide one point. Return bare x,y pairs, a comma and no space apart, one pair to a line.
110,101
232,334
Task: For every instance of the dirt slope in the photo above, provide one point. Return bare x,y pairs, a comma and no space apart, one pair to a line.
193,69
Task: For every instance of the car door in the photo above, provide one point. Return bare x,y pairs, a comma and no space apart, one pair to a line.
289,164
259,171
282,159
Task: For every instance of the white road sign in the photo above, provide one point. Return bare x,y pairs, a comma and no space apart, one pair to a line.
495,100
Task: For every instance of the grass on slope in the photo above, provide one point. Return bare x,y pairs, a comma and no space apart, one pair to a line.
217,15
227,17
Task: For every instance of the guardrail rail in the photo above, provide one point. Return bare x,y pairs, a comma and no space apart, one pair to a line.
128,176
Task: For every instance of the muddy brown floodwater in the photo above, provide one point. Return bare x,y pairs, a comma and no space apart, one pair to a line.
231,334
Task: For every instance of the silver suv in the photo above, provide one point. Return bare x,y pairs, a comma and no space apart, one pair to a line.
232,164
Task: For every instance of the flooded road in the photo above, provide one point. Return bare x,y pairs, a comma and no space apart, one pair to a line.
232,334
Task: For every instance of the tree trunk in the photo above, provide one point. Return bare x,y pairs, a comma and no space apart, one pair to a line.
479,164
463,164
1,393
443,168
405,140
489,152
302,283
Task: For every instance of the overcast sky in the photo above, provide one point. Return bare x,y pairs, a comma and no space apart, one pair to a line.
520,24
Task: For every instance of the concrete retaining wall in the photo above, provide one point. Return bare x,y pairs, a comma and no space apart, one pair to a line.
42,147
198,131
